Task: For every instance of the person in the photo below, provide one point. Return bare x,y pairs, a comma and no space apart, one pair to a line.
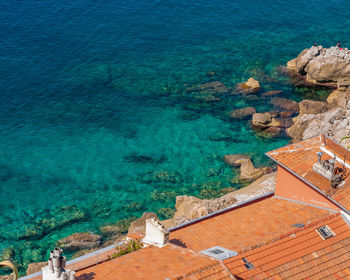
339,46
315,44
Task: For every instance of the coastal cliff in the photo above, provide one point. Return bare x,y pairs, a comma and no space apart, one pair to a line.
328,67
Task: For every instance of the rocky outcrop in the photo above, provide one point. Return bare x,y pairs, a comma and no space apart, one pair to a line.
139,225
247,169
322,65
251,86
249,172
35,267
233,159
313,107
244,113
80,241
339,98
190,207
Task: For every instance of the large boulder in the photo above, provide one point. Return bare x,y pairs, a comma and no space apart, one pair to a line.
249,172
339,98
139,225
285,104
322,65
80,241
243,113
261,120
313,107
233,159
251,86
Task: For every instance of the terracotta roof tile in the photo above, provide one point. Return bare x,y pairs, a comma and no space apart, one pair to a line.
299,158
213,272
147,263
302,255
246,226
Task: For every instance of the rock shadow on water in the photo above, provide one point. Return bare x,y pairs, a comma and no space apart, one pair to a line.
145,159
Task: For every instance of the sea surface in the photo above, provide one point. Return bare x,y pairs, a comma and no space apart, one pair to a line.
96,125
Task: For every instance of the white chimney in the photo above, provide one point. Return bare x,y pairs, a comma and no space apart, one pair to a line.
156,233
55,270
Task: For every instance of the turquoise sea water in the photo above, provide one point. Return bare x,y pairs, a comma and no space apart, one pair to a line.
95,121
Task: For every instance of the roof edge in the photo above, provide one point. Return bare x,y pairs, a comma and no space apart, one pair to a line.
310,185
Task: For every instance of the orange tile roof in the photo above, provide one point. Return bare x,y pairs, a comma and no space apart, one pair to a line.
299,158
213,272
246,226
301,255
147,263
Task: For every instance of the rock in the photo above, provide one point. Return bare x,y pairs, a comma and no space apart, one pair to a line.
243,113
272,131
249,172
139,225
261,120
211,73
333,123
80,241
213,87
111,230
313,107
285,104
271,93
339,99
35,267
251,86
322,65
190,207
233,159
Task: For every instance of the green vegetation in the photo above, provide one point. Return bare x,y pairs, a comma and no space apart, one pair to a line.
126,248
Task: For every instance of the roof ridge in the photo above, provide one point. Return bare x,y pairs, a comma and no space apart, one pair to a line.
305,203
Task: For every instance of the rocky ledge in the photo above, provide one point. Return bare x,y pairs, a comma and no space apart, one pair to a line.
318,65
332,118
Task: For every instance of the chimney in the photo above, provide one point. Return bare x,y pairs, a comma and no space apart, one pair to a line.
55,270
324,167
156,233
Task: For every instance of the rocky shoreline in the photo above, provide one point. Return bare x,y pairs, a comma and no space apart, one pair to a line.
314,66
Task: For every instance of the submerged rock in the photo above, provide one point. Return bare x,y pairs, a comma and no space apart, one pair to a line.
271,93
285,104
251,86
244,113
233,159
213,87
80,241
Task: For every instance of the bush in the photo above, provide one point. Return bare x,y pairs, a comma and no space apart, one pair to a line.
126,248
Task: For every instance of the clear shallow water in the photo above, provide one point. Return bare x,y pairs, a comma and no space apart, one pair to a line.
94,115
